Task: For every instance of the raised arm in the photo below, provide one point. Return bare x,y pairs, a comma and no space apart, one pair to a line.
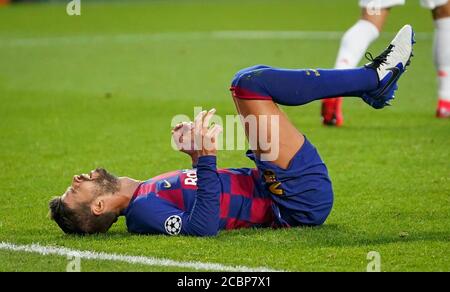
205,217
200,142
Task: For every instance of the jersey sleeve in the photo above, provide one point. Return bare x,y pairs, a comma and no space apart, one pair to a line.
205,215
152,215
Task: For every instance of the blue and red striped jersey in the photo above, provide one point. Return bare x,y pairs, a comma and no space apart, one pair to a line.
200,201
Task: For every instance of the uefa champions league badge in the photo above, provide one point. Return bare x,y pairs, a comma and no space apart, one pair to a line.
173,225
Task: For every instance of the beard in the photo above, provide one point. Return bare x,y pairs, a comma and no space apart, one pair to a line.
106,182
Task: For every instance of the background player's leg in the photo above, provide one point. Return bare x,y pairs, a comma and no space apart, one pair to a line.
377,17
441,15
354,44
358,38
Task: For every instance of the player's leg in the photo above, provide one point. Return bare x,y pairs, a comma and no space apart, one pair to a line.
441,16
258,90
290,139
297,177
354,44
374,83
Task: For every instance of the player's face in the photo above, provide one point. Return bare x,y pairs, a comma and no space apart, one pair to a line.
85,187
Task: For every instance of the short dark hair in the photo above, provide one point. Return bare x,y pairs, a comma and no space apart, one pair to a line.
79,221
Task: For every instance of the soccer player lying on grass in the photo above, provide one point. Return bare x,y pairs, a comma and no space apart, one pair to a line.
291,189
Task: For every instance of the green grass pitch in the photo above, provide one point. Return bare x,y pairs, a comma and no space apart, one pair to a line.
88,91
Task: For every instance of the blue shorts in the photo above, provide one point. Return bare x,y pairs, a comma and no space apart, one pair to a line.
302,193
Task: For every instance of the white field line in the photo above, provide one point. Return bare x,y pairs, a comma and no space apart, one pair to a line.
181,36
141,260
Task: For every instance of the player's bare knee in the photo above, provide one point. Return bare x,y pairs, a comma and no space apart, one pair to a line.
441,11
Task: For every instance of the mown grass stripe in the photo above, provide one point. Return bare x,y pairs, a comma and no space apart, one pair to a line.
180,36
